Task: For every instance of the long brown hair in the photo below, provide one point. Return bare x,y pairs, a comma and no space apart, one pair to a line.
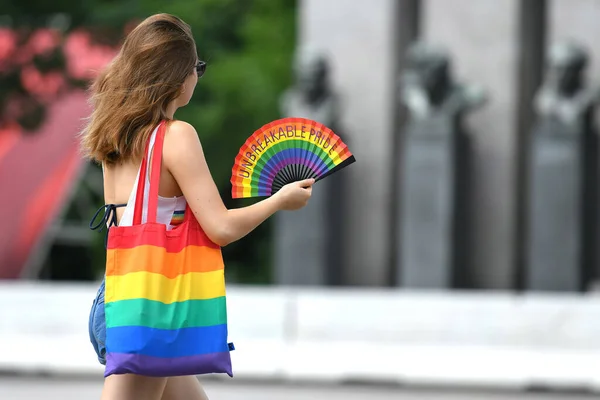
130,96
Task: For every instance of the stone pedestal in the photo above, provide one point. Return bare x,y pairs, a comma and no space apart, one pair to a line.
561,212
434,223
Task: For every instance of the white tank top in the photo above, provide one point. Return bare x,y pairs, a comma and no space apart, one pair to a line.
170,209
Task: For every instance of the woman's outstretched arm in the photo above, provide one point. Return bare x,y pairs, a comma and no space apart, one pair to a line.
184,158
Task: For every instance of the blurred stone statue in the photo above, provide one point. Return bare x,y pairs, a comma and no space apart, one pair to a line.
308,241
563,95
427,87
435,184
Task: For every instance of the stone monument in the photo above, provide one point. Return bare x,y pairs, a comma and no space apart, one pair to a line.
308,242
561,217
434,194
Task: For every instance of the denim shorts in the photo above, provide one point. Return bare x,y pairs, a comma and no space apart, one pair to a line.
97,325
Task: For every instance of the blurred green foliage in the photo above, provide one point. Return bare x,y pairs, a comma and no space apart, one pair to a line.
248,45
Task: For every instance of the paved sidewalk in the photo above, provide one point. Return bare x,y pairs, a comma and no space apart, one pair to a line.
12,388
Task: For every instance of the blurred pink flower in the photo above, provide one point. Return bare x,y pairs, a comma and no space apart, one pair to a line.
30,78
8,44
75,42
44,86
85,59
43,41
54,81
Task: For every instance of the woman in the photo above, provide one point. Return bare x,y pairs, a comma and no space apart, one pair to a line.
154,74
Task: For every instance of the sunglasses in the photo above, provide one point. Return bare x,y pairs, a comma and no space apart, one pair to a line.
200,68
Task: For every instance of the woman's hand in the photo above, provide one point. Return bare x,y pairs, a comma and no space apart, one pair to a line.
295,195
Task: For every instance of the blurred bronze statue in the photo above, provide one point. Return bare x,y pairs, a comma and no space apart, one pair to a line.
308,242
433,248
563,94
311,95
562,201
428,87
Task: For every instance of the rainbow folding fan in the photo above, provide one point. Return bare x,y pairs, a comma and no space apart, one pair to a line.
285,151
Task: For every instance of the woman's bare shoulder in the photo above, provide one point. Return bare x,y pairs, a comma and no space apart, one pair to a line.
181,130
181,142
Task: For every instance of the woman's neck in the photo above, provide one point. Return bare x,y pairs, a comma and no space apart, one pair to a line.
171,108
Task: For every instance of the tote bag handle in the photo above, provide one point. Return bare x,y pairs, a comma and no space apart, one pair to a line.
154,178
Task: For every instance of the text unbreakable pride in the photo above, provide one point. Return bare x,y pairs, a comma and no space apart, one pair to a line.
275,135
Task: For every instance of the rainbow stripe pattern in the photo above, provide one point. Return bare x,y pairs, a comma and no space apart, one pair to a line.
284,151
177,217
165,300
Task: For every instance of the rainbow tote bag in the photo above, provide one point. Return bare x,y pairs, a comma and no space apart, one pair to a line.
165,305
